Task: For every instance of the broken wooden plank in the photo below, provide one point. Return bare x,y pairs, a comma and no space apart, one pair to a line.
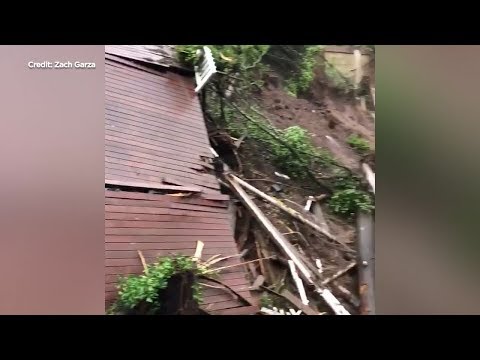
370,175
156,186
298,303
298,283
198,251
285,246
339,273
235,180
333,302
366,263
276,235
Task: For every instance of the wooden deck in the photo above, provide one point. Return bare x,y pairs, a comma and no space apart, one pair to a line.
155,134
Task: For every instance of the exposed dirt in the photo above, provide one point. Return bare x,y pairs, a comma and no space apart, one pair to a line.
329,118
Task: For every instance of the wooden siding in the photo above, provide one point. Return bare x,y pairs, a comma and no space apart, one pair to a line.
160,225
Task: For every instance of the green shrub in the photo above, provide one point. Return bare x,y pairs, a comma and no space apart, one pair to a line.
348,201
359,144
303,80
134,289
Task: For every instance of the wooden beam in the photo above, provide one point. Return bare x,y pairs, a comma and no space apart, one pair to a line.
283,243
288,210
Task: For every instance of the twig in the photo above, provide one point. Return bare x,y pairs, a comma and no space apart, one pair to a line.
339,273
144,263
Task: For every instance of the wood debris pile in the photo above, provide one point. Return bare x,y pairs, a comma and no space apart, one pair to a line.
288,272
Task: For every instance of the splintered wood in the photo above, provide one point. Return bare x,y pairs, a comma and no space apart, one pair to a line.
307,269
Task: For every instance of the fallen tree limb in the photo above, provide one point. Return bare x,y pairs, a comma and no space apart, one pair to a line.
288,210
366,263
339,273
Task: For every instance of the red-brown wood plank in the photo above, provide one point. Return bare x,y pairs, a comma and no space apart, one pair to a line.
154,95
164,218
154,156
157,171
166,232
112,172
170,81
188,155
166,238
162,211
154,138
164,225
167,107
162,204
193,200
117,80
170,136
175,245
120,112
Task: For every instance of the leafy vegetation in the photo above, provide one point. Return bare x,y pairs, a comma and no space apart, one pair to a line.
359,144
347,202
348,198
135,289
292,149
303,80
